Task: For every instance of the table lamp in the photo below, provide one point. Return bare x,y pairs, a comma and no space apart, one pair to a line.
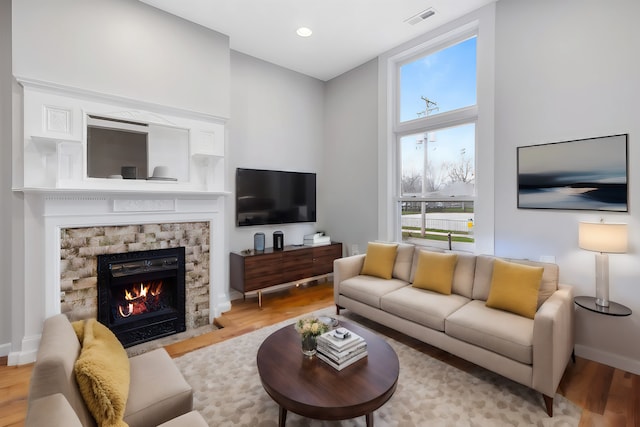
603,238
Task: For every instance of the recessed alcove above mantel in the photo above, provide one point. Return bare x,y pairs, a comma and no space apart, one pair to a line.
61,122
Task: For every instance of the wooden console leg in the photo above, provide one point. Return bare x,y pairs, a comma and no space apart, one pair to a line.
573,355
548,402
338,308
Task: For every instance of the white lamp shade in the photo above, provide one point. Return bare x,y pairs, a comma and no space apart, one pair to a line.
602,237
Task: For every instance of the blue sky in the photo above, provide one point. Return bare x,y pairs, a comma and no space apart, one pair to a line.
447,77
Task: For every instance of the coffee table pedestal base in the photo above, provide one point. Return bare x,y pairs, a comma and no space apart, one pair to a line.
282,418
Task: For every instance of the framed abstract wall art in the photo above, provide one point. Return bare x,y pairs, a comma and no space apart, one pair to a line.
584,174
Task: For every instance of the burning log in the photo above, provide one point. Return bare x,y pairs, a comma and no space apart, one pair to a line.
141,299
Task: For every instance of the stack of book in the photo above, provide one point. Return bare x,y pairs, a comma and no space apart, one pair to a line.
341,350
317,239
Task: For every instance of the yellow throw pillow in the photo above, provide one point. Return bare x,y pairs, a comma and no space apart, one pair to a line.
514,288
435,271
102,373
379,260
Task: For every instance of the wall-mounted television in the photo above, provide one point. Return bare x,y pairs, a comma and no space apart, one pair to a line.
274,197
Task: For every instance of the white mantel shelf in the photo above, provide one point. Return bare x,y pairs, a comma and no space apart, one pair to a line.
137,191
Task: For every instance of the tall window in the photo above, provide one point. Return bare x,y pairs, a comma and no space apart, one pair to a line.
436,144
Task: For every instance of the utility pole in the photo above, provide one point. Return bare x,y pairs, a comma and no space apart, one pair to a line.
430,106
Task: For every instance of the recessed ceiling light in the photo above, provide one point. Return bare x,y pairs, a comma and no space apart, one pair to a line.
304,32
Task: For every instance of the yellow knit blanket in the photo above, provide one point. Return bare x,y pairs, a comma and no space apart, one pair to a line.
102,373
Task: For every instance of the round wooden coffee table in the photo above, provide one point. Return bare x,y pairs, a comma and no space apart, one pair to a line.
309,387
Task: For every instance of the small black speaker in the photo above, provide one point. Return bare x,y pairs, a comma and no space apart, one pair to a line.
258,242
278,240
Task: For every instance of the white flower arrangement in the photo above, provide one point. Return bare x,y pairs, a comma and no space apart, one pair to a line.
311,326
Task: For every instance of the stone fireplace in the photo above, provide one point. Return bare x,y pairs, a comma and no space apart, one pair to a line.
82,249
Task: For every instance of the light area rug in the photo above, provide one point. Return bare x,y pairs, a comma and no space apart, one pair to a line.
228,392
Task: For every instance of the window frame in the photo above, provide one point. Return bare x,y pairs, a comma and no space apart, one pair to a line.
480,23
449,119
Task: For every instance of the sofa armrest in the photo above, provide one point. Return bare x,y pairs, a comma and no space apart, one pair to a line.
553,340
345,268
52,410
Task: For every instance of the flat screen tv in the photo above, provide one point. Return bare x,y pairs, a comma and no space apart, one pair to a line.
274,197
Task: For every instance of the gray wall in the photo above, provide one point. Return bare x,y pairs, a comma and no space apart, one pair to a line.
125,48
564,70
115,47
351,156
568,70
5,174
276,123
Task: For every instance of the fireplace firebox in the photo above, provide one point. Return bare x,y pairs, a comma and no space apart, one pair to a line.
141,295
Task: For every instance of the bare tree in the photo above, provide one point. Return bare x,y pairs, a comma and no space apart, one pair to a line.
434,181
411,182
462,170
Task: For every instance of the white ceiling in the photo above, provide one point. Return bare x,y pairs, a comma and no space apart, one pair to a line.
346,33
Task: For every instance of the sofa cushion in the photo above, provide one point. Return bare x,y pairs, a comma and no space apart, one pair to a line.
404,261
435,271
369,289
514,288
421,306
463,274
161,392
190,419
380,259
484,273
499,331
102,372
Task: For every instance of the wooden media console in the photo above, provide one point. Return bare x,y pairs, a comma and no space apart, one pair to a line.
255,272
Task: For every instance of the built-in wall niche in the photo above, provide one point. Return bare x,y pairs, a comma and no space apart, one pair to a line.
124,149
79,140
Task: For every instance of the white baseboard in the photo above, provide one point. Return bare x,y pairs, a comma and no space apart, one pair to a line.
28,352
610,359
5,349
22,358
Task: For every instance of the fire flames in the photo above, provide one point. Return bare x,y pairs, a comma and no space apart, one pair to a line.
140,299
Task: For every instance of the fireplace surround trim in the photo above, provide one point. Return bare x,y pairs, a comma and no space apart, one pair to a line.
47,212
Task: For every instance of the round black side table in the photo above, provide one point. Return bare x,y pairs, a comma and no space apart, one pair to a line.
614,308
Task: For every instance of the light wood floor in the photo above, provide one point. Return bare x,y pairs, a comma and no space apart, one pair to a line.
608,396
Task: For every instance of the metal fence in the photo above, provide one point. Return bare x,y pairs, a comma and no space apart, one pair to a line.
437,223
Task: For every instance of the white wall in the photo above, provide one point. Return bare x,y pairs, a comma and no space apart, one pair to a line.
351,158
569,70
276,123
5,174
125,48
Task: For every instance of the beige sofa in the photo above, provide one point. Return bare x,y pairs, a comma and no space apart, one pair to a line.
533,352
158,393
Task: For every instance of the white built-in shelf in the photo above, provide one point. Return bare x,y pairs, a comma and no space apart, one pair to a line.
55,152
49,140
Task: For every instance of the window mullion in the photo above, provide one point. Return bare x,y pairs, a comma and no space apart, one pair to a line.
443,120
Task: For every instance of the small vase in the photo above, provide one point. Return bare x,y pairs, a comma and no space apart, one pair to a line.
309,345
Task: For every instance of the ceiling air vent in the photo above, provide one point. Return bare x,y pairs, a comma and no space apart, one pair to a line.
420,16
